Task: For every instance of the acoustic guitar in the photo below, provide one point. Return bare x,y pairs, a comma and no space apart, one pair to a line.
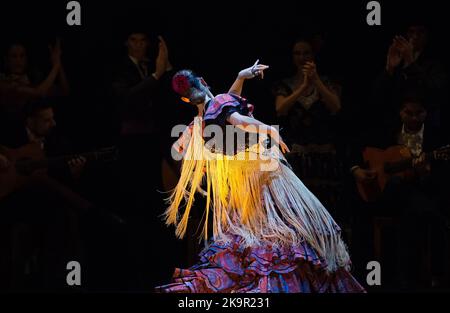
394,161
29,160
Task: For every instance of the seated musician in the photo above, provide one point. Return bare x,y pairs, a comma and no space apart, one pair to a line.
412,201
42,214
38,129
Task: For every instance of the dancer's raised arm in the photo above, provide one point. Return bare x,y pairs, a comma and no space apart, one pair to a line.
250,72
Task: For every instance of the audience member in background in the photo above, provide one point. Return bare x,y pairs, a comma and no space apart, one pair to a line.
20,83
138,85
307,105
306,102
410,65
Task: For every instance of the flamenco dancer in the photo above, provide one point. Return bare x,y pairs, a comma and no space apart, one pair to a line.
270,234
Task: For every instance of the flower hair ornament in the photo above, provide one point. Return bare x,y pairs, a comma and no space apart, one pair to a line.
183,81
188,85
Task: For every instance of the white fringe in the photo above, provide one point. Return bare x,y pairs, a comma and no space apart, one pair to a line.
260,206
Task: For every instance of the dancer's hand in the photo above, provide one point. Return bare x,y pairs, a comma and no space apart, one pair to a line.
284,147
275,135
253,71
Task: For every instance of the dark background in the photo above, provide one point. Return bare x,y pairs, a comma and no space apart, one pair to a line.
216,39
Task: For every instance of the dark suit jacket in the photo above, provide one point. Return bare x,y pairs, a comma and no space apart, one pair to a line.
425,76
136,97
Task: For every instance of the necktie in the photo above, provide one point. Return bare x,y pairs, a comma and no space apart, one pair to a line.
143,69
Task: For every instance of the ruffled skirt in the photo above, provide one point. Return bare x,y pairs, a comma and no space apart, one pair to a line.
230,268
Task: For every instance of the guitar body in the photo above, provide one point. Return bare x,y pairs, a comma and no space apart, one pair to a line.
29,164
10,178
376,159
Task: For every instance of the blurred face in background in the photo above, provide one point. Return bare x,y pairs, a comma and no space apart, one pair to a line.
16,59
137,45
418,37
42,122
302,53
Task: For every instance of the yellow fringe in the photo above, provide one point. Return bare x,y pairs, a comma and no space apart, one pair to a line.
260,206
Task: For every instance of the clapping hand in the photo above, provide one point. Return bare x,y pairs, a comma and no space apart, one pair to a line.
310,72
55,52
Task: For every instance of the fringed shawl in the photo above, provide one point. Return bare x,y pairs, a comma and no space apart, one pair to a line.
254,195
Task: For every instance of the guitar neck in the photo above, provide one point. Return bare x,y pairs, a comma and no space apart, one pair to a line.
55,161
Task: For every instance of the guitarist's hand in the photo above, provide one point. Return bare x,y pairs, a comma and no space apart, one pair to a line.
76,165
364,176
421,165
4,162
